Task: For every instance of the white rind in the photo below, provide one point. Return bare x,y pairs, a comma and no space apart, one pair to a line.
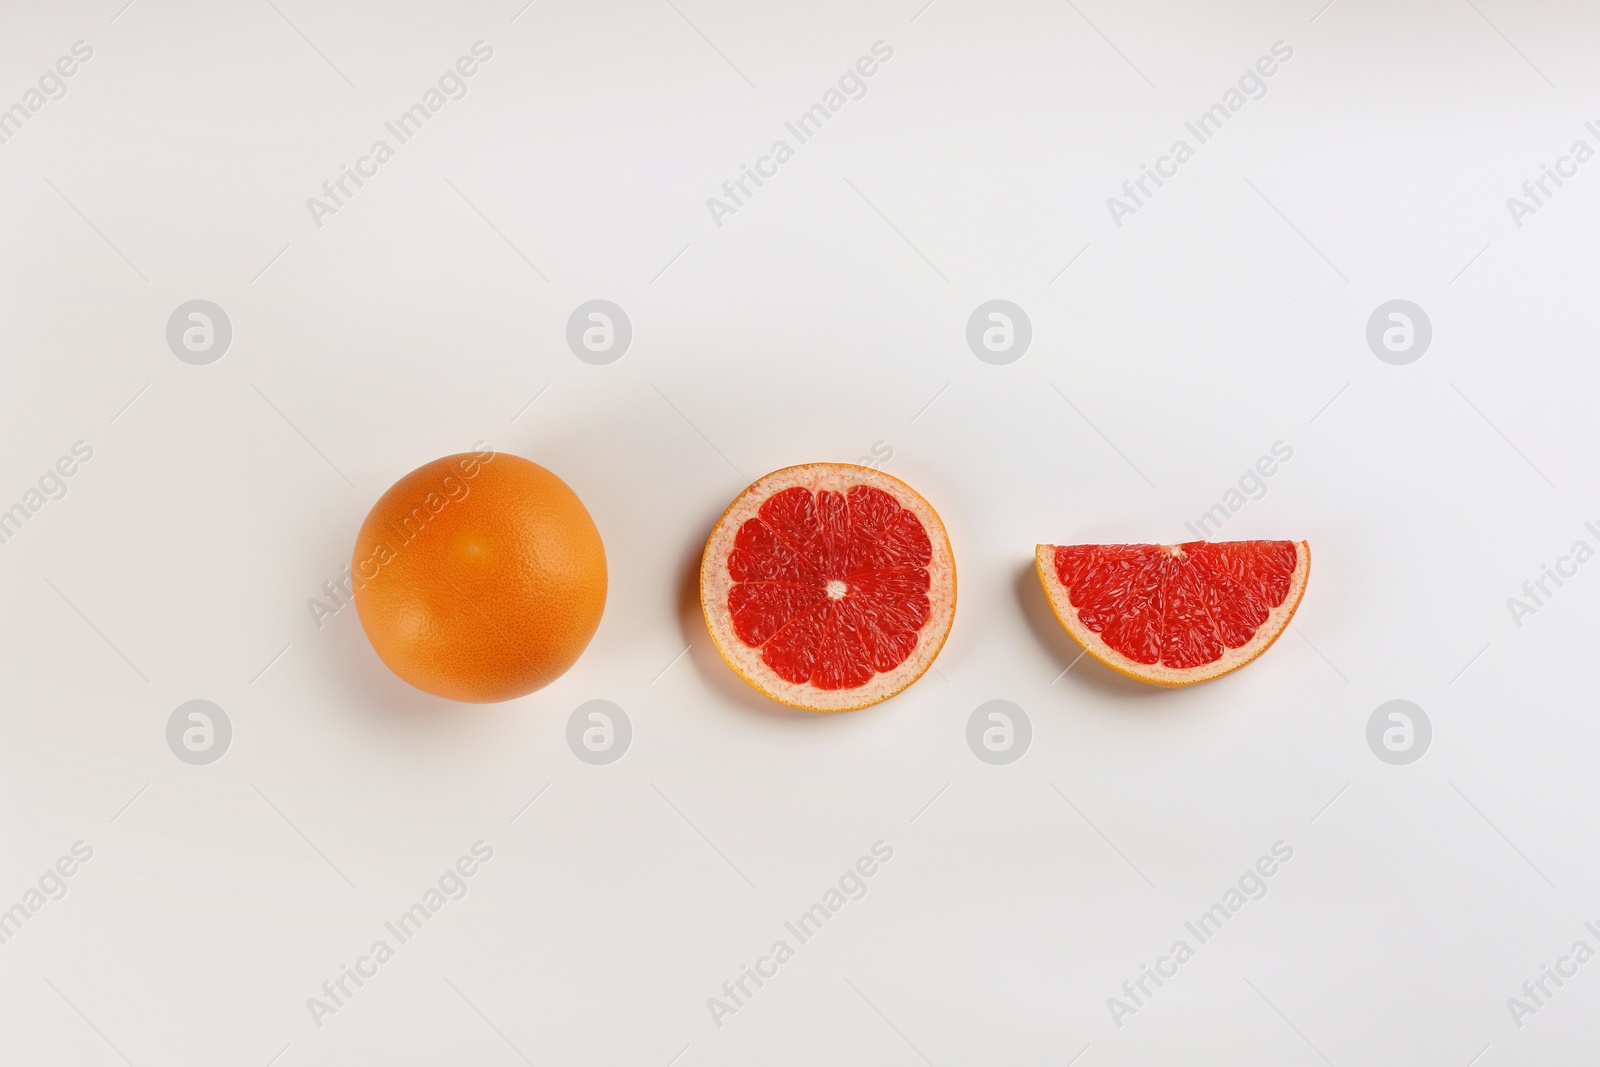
716,582
1158,673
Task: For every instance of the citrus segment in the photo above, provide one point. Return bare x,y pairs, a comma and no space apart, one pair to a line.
1175,614
828,586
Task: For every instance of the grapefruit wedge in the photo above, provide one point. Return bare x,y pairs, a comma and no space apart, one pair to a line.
828,586
1175,614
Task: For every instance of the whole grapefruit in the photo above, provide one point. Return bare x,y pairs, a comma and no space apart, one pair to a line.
479,577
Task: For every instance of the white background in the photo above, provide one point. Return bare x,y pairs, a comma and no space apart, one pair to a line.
826,316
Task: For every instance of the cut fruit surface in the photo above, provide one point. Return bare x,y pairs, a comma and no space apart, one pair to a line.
1175,614
829,586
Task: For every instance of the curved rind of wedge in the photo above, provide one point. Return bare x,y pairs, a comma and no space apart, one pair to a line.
1158,673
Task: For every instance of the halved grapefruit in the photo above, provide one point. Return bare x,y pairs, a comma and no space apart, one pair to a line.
828,586
1175,614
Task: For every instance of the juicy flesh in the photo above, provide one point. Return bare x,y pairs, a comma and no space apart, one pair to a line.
831,587
1179,605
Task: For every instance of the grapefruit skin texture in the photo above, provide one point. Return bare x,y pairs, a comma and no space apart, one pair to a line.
479,577
1160,674
925,588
